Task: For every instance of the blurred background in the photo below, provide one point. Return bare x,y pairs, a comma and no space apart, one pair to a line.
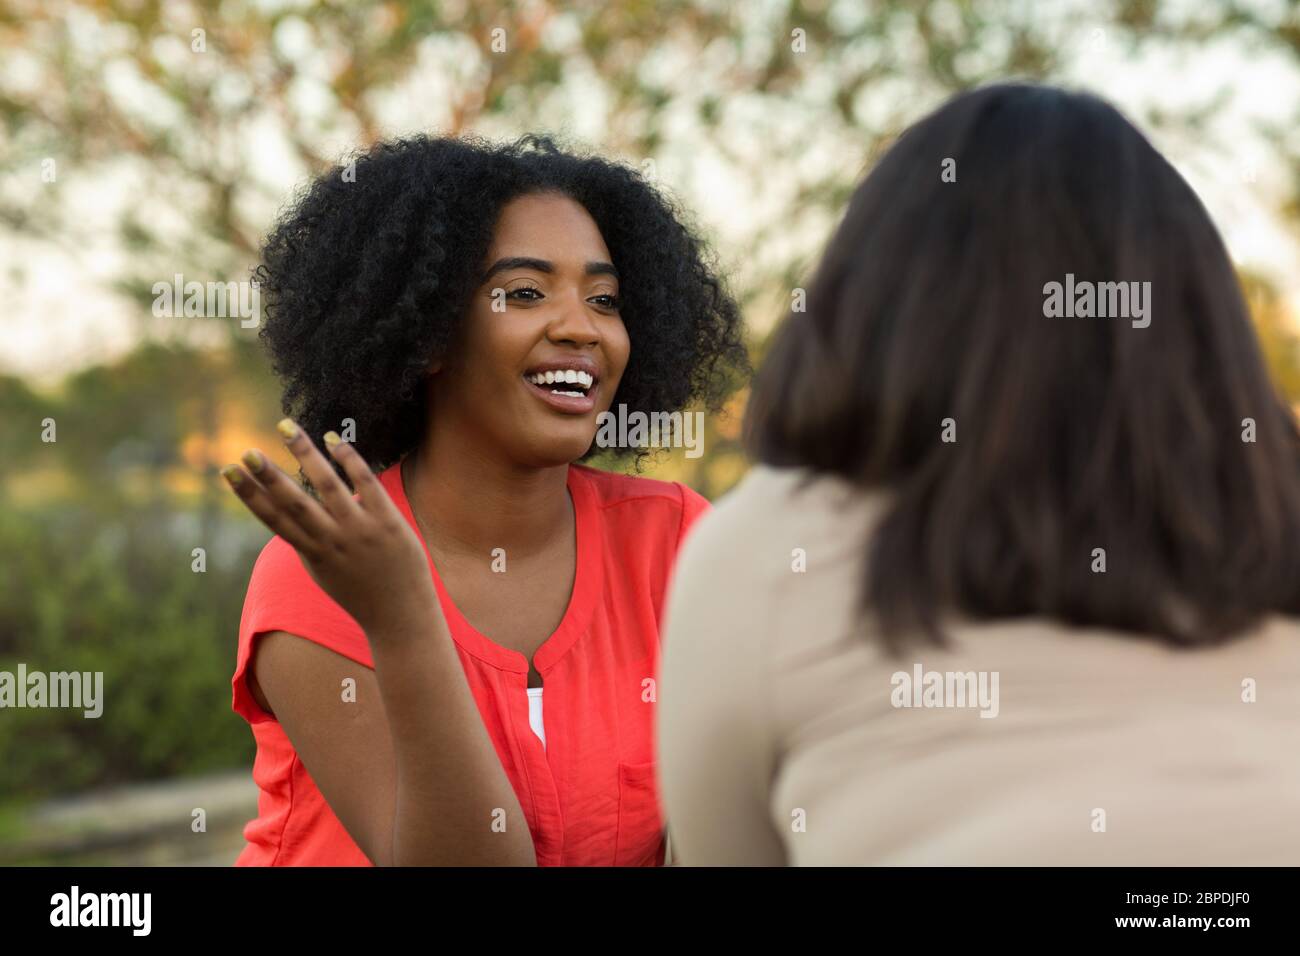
142,140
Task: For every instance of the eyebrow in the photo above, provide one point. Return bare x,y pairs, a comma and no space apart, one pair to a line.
543,265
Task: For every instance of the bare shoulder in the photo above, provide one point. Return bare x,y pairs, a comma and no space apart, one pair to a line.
286,667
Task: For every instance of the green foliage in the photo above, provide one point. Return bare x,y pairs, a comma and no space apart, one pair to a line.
120,597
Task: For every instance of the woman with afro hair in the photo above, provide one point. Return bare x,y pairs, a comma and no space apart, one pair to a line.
462,312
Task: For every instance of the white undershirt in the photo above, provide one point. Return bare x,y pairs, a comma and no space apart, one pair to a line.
535,714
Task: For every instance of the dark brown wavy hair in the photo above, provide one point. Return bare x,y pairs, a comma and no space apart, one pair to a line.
1072,434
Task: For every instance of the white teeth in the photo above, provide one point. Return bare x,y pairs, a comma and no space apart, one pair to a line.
570,394
566,376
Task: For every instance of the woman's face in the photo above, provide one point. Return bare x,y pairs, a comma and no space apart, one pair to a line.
547,307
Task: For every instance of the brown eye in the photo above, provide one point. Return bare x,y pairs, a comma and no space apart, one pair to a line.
532,296
606,301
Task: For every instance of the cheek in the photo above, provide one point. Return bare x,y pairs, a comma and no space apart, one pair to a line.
619,349
494,345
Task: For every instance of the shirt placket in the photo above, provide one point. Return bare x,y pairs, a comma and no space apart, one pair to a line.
537,761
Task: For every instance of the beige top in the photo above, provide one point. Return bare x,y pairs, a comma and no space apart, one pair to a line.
782,740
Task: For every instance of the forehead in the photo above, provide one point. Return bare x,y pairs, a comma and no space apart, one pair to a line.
547,226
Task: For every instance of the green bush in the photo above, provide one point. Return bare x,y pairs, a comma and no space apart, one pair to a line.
90,586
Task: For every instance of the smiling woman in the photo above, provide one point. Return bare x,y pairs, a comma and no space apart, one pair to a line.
472,309
549,305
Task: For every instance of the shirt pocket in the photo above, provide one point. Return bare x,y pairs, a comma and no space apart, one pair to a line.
640,827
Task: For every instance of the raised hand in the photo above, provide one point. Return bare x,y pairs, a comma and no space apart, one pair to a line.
361,551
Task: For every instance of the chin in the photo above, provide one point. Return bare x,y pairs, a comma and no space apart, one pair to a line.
560,448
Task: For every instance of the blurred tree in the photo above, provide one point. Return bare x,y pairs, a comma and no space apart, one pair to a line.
201,97
1277,336
218,108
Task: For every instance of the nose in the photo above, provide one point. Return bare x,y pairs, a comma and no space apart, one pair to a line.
574,325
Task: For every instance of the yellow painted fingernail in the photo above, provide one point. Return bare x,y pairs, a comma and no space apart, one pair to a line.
332,439
253,460
232,474
287,428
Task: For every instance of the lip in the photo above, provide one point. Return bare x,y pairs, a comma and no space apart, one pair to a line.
568,404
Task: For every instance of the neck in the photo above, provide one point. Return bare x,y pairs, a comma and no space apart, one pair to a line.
468,502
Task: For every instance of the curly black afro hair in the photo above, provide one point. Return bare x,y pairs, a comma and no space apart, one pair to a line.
366,277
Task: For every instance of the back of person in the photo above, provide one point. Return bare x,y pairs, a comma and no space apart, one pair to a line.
1016,577
1069,746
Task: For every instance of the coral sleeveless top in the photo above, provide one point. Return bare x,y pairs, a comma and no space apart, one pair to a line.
589,793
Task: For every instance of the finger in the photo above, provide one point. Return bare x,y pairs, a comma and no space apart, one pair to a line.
256,500
334,494
372,494
290,498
